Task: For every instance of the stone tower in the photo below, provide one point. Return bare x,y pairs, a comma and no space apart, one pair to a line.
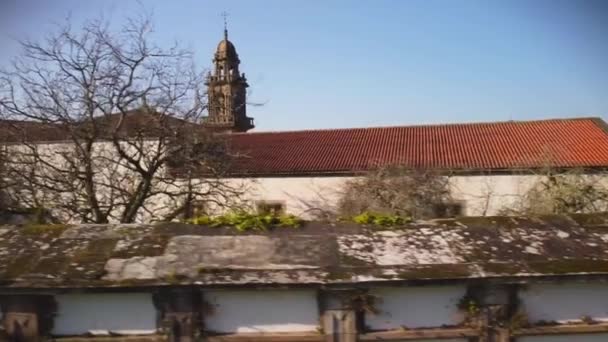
227,92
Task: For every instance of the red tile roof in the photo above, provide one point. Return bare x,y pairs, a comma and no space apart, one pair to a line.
18,131
581,142
134,122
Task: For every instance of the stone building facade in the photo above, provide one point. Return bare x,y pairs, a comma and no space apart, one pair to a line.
227,92
490,165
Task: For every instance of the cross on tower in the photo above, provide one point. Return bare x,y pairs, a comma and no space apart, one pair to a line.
225,15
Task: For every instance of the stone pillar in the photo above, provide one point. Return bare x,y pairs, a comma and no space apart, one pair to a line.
339,326
27,318
338,317
180,313
496,306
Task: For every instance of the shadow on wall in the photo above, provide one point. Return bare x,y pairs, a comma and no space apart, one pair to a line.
17,217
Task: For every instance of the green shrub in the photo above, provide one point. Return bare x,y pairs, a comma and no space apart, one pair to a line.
244,221
379,219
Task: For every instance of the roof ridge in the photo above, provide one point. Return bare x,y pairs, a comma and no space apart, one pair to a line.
596,119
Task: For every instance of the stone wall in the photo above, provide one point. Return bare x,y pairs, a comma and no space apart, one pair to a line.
545,312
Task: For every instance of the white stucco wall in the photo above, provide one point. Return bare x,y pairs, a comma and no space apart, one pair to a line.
481,195
565,302
262,311
300,194
566,338
273,311
487,195
416,307
124,313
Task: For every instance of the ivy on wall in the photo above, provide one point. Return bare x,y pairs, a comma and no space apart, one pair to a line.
244,221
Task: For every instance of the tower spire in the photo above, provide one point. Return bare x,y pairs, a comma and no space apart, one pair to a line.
227,90
225,15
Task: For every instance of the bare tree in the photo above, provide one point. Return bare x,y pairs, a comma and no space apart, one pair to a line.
397,190
4,199
562,192
119,110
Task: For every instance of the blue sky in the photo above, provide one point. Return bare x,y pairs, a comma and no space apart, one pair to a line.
326,64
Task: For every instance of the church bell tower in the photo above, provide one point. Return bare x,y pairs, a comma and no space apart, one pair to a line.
227,92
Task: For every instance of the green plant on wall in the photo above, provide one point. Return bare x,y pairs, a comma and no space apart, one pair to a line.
379,219
244,221
470,306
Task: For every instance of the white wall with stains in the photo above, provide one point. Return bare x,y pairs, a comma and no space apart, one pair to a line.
416,307
250,311
480,195
269,311
103,313
565,302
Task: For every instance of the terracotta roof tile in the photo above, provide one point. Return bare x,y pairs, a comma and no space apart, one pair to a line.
580,142
477,146
134,122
